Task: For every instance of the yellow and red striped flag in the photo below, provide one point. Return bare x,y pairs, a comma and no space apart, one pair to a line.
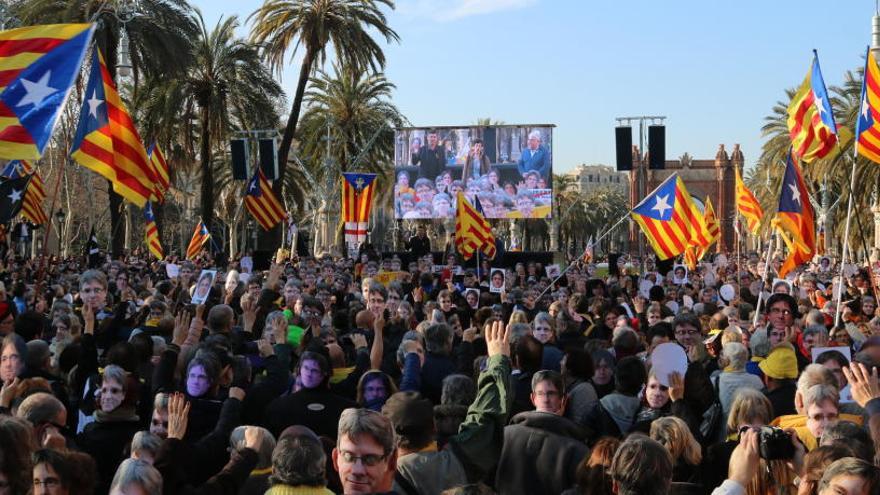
32,204
794,219
868,123
151,232
160,171
670,219
747,205
810,117
261,202
472,231
107,141
357,202
199,238
38,66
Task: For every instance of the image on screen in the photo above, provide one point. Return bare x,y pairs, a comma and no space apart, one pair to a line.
509,169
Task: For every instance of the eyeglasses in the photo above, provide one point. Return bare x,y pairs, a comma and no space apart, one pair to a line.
780,311
48,482
687,332
369,460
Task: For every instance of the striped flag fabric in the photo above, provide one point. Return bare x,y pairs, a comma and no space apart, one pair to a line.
357,202
472,230
868,123
199,238
810,117
261,202
32,206
38,66
748,206
160,171
670,219
151,232
713,226
795,219
107,141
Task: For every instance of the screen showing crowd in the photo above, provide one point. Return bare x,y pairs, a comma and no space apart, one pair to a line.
509,168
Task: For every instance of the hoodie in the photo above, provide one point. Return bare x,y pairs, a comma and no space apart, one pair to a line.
622,409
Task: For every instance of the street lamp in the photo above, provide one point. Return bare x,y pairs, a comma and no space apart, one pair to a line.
59,216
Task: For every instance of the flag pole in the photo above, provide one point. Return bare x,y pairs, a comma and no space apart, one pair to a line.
770,243
589,246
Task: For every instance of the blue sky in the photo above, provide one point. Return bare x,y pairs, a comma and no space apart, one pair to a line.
713,68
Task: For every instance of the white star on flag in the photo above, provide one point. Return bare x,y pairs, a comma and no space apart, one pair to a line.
94,102
820,104
16,195
795,194
865,107
662,204
36,92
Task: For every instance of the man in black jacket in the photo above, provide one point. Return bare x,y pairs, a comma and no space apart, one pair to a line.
419,245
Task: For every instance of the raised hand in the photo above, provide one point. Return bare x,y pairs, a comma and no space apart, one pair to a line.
676,386
863,384
89,319
178,416
497,340
181,328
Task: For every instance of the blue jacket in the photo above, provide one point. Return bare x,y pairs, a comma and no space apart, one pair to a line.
537,160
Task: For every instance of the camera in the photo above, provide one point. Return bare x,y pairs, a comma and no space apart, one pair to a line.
774,444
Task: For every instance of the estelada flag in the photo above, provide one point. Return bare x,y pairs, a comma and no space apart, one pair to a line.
670,219
107,141
810,117
261,202
151,232
794,218
38,66
199,238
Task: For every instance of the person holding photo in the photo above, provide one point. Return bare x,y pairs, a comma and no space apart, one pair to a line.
497,280
203,288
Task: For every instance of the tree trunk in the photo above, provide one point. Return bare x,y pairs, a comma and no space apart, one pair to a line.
117,223
207,196
271,239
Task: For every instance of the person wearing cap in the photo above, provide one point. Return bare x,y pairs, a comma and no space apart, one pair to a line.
423,467
780,372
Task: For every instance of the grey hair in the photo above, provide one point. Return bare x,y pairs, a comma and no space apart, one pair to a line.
117,374
815,330
39,408
264,450
850,466
736,355
459,390
144,441
759,343
518,331
815,317
401,351
817,394
298,460
543,317
137,472
535,135
815,374
355,422
438,338
160,402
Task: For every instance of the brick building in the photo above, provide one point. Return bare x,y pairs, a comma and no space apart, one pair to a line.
704,178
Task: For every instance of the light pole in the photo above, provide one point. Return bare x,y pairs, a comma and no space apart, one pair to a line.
59,217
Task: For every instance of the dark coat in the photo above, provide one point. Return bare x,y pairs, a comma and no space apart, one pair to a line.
318,409
106,442
541,454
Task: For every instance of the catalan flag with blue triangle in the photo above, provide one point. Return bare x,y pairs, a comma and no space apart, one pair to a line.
32,208
107,141
795,219
261,202
38,66
868,123
670,219
199,238
810,117
151,232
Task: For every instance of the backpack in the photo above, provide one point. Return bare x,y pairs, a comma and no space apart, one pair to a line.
712,418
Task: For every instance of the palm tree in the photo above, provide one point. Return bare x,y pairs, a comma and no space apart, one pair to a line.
351,108
159,33
316,25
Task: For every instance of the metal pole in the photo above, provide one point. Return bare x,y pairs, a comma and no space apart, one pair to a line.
765,277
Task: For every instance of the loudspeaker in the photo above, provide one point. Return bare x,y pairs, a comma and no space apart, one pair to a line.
624,138
269,158
238,150
490,143
656,147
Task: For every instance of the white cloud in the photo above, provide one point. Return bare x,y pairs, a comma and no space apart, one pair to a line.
450,10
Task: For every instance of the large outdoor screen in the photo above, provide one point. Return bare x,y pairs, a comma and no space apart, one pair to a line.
509,168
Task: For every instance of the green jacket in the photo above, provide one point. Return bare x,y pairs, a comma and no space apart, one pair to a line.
475,450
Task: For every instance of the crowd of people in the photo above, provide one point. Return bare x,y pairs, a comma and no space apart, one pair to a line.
312,377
